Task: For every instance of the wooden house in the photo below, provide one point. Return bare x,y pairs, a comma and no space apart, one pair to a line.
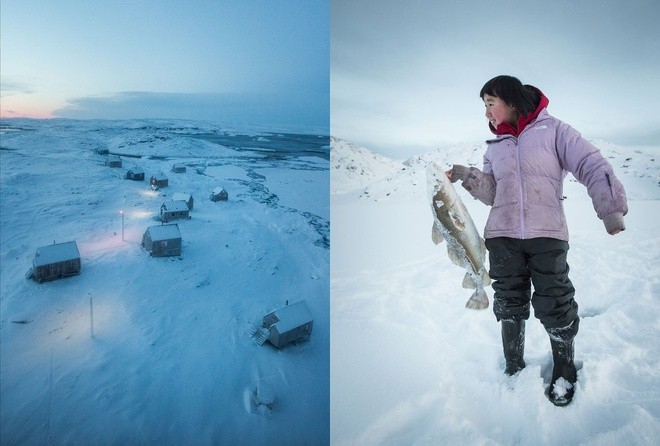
178,168
188,198
291,323
219,194
158,180
56,261
101,151
174,210
135,174
113,161
162,241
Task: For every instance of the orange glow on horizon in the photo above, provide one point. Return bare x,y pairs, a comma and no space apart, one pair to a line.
28,106
32,114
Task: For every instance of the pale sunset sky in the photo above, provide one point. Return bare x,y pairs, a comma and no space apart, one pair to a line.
257,61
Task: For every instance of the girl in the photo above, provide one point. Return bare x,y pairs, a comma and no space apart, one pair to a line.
526,232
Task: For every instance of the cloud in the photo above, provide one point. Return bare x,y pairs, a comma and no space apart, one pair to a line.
10,88
252,108
406,75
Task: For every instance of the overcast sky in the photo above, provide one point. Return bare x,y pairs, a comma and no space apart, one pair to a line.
256,61
406,76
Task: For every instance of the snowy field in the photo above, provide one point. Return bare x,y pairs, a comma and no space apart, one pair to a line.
410,365
172,359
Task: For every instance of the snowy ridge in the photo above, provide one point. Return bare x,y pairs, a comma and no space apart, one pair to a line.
354,167
640,166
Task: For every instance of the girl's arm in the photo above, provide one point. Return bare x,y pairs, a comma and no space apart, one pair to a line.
590,168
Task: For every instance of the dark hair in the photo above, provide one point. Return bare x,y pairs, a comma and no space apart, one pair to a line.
524,98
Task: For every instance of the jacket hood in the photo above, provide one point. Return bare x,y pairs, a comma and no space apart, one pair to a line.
507,129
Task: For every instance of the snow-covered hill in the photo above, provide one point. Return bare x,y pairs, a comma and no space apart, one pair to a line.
353,167
172,360
368,174
431,372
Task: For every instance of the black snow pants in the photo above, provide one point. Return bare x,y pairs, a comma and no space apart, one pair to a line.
516,265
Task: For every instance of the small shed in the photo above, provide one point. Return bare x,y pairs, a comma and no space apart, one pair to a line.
178,168
188,198
162,241
135,174
101,151
174,210
291,323
158,180
113,161
219,194
56,261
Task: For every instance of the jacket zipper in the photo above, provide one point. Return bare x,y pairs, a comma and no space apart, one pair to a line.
520,191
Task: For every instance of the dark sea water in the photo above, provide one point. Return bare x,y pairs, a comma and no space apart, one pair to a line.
273,145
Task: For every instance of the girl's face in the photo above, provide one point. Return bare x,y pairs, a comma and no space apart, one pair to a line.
498,111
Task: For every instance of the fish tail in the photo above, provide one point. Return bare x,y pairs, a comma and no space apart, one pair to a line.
478,300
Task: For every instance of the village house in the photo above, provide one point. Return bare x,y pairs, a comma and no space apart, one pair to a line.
178,168
291,323
56,261
158,180
188,198
101,151
219,194
113,161
174,210
135,174
162,241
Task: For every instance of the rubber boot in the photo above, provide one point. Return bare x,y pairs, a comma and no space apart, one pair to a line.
513,342
564,375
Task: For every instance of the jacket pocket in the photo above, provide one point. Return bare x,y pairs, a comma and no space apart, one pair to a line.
609,183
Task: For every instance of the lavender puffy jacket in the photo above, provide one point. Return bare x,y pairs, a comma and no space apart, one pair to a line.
523,179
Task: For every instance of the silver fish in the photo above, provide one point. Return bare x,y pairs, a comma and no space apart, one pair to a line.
452,222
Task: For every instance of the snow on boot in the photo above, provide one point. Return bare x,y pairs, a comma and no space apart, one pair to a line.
513,342
564,375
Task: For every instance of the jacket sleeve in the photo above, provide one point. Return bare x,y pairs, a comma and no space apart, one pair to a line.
481,185
590,168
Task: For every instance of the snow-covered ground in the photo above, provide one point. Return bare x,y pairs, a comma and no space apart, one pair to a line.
411,365
172,360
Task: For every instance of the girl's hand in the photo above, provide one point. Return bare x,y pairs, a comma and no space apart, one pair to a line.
614,223
458,172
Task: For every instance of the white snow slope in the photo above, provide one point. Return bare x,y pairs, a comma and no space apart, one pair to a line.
172,359
410,365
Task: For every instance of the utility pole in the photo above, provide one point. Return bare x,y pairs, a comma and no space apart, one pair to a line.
91,317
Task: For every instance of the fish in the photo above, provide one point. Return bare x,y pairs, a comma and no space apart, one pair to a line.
452,223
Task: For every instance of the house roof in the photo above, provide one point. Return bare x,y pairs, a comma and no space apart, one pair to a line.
181,196
164,232
176,206
218,190
159,176
292,316
55,253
